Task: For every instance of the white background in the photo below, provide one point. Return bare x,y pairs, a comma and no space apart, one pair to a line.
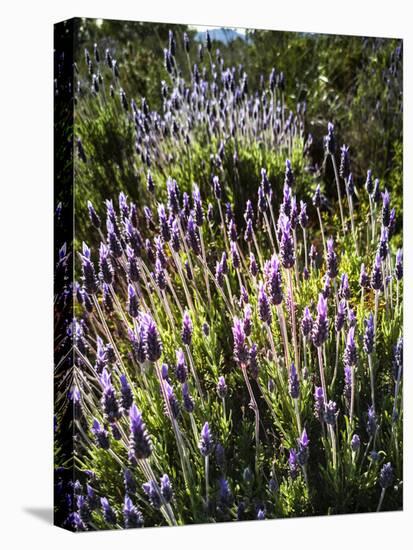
26,269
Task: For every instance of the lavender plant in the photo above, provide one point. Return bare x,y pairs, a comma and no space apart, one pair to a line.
226,354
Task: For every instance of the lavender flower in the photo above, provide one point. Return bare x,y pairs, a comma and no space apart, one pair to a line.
133,303
344,290
264,309
274,281
205,444
240,348
293,464
253,265
332,262
94,218
89,275
330,413
108,513
369,183
319,403
376,280
344,162
350,352
131,515
139,443
129,481
340,317
347,383
109,402
189,405
386,476
364,279
320,327
303,217
303,450
101,435
166,488
187,329
306,323
293,383
385,214
225,495
151,341
317,197
398,270
153,493
222,388
368,340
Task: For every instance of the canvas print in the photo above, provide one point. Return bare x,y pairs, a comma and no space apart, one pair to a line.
228,274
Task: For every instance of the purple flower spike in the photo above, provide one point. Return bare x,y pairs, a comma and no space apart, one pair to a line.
253,265
225,495
350,352
368,340
369,183
101,435
293,464
235,257
109,402
189,404
317,197
132,516
140,446
376,280
385,215
240,348
330,140
344,290
222,388
181,370
384,243
303,217
90,280
94,218
249,231
364,279
151,341
330,413
153,493
133,303
166,488
293,383
332,262
205,442
386,476
344,162
163,222
264,308
319,403
108,513
303,450
320,326
274,281
187,329
306,322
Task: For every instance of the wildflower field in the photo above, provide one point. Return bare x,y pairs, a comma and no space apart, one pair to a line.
229,277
